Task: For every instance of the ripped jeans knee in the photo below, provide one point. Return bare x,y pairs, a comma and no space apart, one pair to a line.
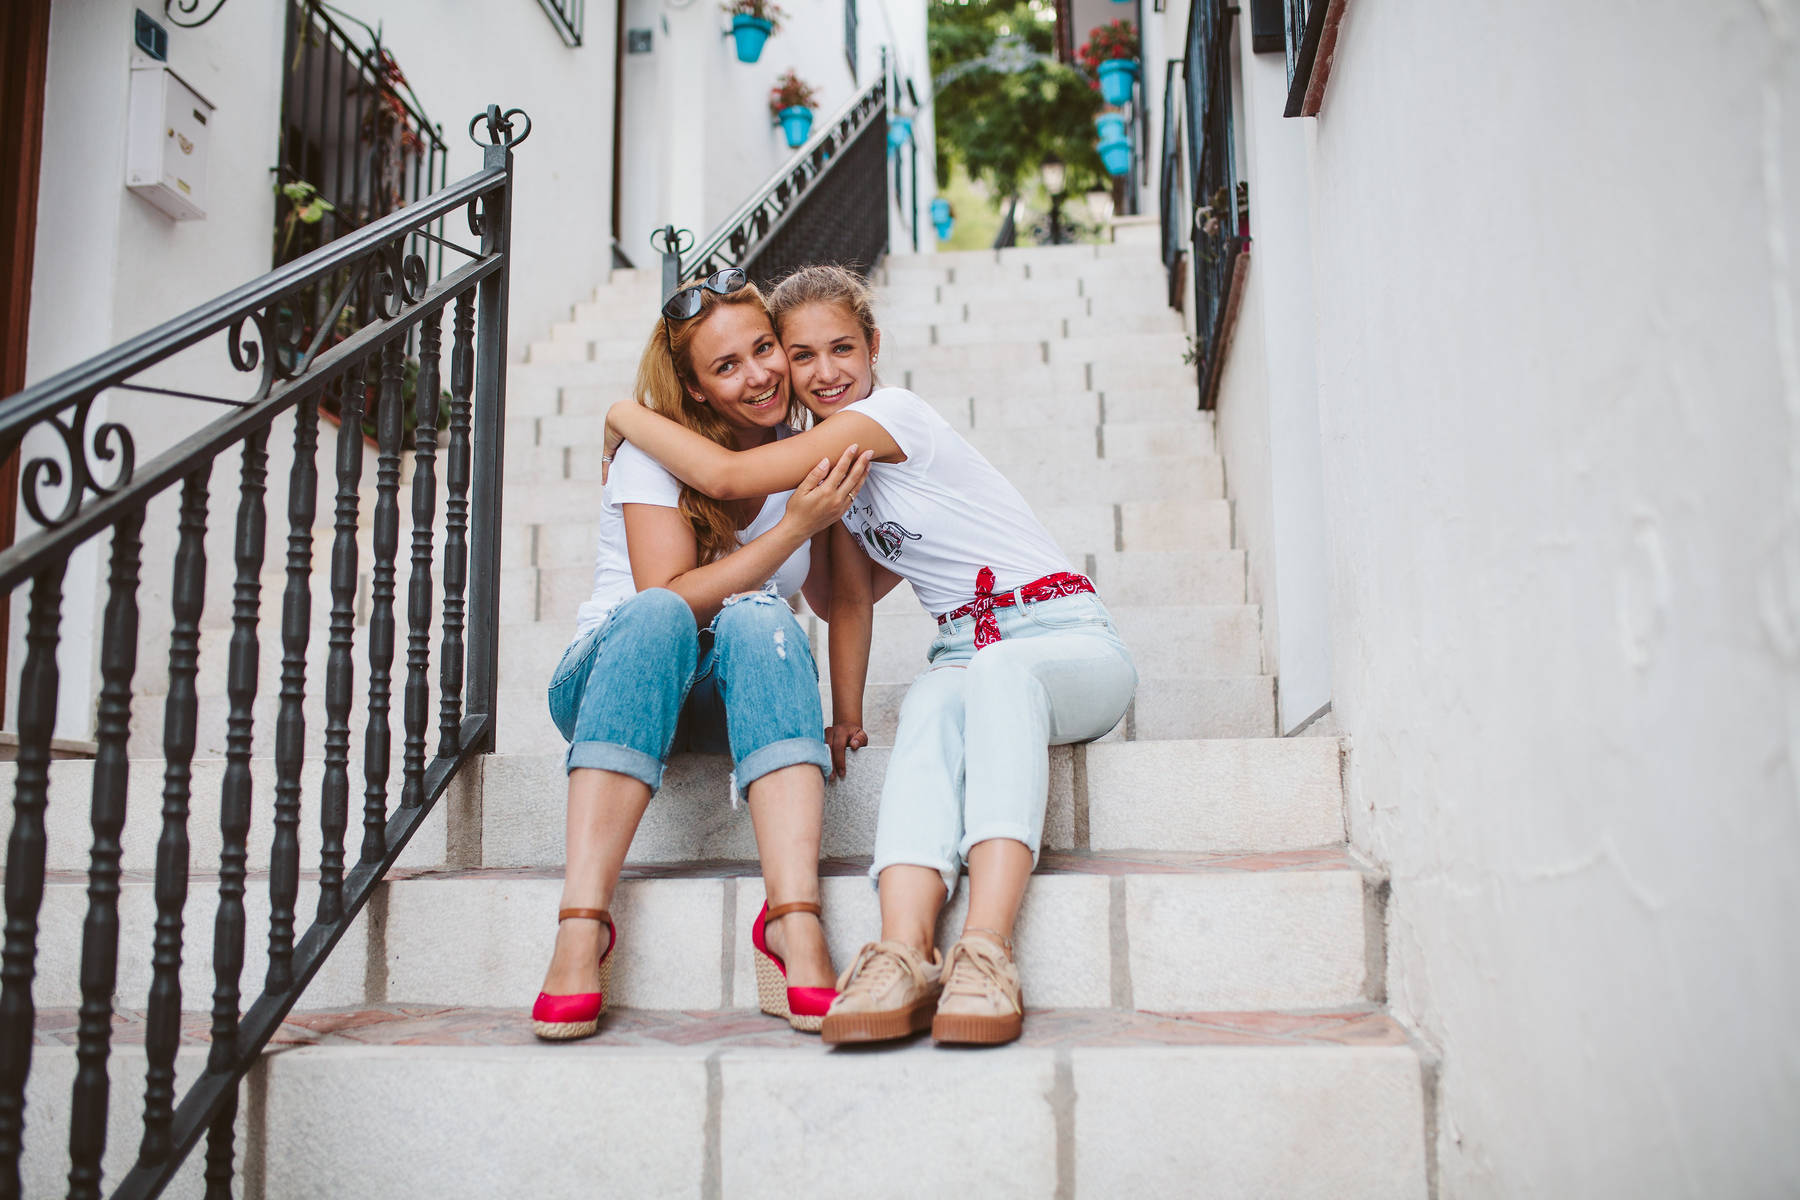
759,684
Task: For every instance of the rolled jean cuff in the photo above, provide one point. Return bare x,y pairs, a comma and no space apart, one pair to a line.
610,756
947,871
776,755
999,829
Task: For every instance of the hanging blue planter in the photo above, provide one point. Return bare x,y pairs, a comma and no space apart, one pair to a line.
796,123
750,33
1116,78
899,131
941,218
1110,126
1116,156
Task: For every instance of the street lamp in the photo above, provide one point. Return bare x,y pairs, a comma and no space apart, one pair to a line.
1054,175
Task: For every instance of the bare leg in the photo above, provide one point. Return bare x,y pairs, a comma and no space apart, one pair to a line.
604,810
999,869
787,808
911,897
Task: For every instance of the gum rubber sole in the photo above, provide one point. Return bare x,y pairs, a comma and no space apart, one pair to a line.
852,1027
970,1029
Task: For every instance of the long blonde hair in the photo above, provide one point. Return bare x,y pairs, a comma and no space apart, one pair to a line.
665,383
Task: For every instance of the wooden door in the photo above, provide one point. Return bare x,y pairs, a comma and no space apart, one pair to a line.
24,48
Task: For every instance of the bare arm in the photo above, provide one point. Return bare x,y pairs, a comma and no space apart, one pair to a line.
852,619
775,466
663,552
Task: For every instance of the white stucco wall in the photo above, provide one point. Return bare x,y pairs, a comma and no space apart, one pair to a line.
1559,387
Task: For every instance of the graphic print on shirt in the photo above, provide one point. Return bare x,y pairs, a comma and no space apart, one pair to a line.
886,540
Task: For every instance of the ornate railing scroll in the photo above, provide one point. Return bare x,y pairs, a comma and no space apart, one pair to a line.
827,204
89,488
1220,231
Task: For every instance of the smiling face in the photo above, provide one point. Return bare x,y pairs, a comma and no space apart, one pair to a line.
830,362
742,373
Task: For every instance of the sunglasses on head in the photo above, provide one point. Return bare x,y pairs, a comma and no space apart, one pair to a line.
684,305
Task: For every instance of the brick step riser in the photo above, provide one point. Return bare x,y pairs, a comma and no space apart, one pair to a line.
1341,1121
1216,942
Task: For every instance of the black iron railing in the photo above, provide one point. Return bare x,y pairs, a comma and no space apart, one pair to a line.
291,379
827,204
1221,218
569,17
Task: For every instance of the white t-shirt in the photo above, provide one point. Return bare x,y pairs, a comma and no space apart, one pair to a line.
943,514
636,478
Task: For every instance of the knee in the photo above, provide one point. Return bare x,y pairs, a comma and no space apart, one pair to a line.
761,616
657,616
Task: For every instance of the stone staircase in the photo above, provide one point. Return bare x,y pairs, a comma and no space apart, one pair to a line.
1202,952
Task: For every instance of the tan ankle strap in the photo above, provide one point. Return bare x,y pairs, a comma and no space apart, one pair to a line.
782,910
585,914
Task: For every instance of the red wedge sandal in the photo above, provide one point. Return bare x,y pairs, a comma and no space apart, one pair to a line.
562,1018
802,1007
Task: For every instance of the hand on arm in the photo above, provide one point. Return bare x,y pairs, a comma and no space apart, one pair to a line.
852,618
663,553
776,466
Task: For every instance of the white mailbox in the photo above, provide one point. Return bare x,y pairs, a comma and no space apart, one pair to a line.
166,160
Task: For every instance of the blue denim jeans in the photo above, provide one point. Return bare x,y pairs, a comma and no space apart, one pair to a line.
646,682
971,758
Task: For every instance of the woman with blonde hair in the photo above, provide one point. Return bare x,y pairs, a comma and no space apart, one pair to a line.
1026,657
688,643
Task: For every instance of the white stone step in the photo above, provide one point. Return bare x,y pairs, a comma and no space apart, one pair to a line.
1173,934
1326,1106
1261,794
1209,935
1231,707
1165,640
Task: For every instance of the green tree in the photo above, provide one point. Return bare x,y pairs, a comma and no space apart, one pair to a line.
1000,125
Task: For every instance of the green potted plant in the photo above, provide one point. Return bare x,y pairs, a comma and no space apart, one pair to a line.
791,103
752,21
1110,56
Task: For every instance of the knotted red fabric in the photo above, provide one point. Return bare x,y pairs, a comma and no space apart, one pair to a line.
987,626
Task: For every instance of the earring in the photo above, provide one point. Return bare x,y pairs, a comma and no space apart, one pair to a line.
873,359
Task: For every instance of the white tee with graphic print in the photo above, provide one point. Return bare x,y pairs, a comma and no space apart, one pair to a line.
943,514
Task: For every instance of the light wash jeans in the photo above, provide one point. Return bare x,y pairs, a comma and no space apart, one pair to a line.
646,682
971,759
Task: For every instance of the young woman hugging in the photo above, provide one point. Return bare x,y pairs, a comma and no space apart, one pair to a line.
688,643
1026,657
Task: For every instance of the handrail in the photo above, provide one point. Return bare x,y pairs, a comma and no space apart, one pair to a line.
839,151
454,620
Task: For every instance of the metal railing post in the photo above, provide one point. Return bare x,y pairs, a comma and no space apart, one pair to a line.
488,431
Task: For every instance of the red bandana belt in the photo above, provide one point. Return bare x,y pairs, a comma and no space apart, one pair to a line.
987,626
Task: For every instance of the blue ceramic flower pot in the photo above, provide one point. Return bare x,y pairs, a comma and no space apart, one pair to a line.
899,132
1116,78
750,33
796,123
941,218
1110,127
1116,156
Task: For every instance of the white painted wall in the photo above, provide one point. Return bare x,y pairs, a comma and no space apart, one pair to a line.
1559,388
1270,438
